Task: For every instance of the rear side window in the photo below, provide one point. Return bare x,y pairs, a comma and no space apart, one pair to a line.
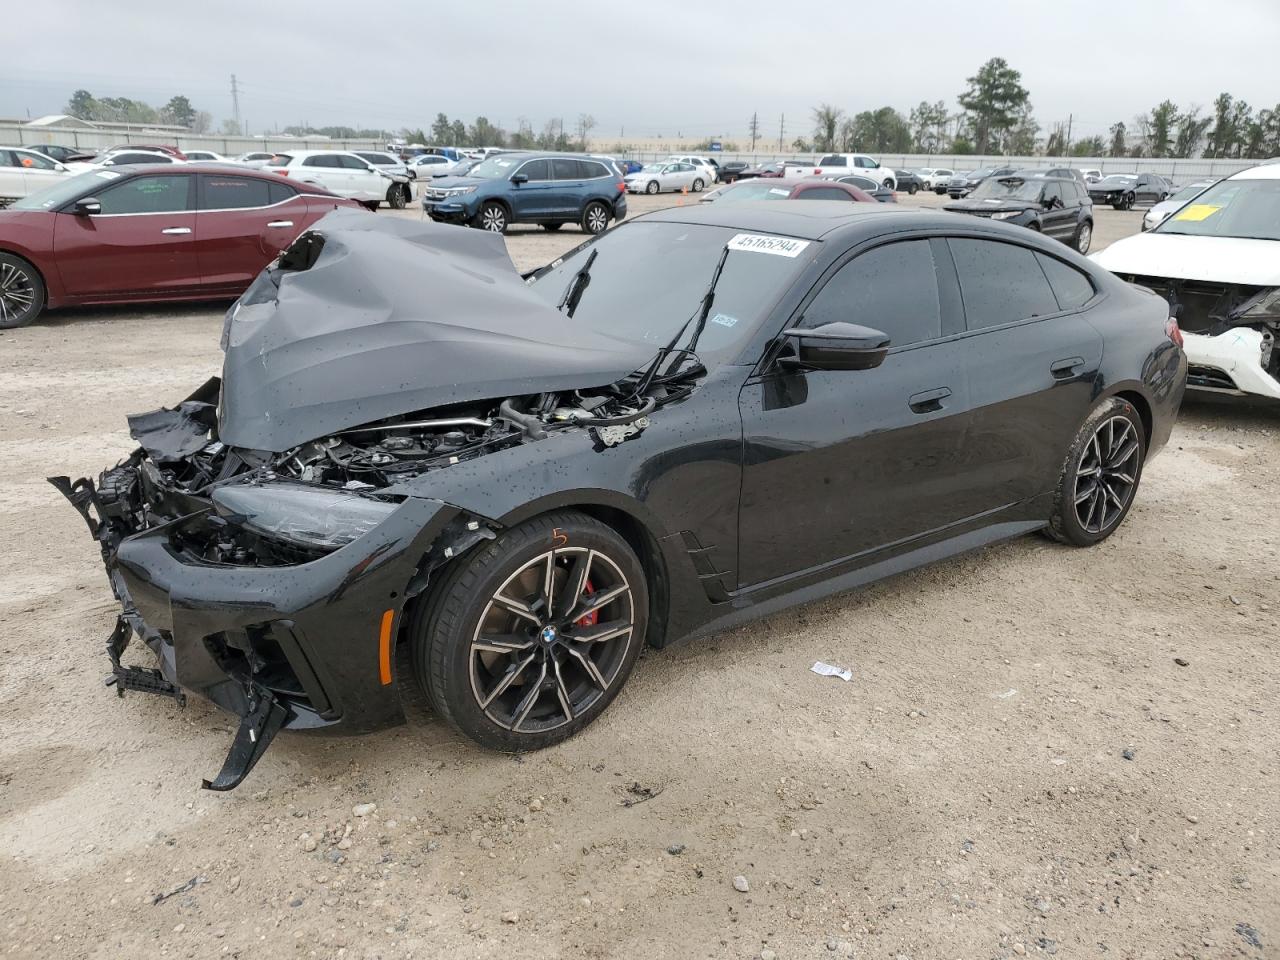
833,160
1072,288
822,193
232,193
590,169
1000,283
565,169
281,192
313,162
283,159
148,195
892,288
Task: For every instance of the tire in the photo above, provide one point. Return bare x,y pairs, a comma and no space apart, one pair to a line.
1100,475
21,292
552,227
1128,201
370,205
1083,237
697,185
651,187
911,190
595,218
479,659
492,217
890,184
395,197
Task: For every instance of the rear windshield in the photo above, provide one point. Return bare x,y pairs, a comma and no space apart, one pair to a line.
1248,209
650,278
754,190
279,160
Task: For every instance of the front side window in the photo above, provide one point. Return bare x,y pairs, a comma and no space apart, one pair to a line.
148,195
234,193
892,288
350,162
1000,283
537,170
1052,192
32,160
866,162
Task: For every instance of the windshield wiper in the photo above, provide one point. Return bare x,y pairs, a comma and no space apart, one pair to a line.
704,310
578,285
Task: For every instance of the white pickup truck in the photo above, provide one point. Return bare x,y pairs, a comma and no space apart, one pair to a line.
843,164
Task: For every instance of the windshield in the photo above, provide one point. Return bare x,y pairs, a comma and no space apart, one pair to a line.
650,278
1189,191
1008,188
1249,209
1119,179
754,190
980,173
495,168
64,191
653,168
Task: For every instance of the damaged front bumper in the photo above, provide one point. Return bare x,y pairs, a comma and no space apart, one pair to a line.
1235,362
294,646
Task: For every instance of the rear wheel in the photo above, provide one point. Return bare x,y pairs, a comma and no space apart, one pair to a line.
492,217
1084,236
21,292
595,218
1100,476
697,185
532,636
911,189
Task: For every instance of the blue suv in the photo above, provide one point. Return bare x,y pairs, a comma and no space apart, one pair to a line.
547,188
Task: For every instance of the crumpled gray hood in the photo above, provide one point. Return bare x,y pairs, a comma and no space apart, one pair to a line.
392,318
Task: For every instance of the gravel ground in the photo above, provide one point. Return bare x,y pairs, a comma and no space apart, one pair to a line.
1042,750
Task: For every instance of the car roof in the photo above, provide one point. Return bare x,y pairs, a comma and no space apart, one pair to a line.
807,220
202,166
1266,171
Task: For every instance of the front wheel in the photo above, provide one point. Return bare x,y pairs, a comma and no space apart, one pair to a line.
492,217
652,188
911,190
396,197
533,635
1100,475
21,292
595,218
890,185
370,205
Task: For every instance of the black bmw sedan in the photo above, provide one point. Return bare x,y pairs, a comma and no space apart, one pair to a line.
421,472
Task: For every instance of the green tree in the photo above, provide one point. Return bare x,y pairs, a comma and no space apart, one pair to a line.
179,110
826,124
414,136
1190,130
1094,146
1020,141
1159,123
995,100
523,138
441,131
962,146
928,122
801,145
1241,121
458,134
1118,146
485,134
82,105
1056,145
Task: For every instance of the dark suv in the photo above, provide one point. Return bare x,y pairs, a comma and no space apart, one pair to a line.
1058,207
547,188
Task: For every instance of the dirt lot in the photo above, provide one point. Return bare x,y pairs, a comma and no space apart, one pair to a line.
1043,750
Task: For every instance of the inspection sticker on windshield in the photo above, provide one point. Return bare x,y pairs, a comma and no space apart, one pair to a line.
778,192
724,320
758,243
1198,211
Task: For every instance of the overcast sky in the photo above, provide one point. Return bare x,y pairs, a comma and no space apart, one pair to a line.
642,67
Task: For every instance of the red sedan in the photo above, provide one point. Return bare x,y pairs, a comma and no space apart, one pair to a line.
149,233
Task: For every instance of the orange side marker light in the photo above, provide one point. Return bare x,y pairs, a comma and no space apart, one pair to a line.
384,647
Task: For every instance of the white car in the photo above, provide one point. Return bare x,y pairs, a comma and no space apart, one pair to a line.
1091,174
428,165
26,171
120,158
206,156
935,178
842,165
661,177
254,158
1162,210
1215,260
711,171
343,173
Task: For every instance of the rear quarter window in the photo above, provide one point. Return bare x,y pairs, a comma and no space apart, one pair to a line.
1071,287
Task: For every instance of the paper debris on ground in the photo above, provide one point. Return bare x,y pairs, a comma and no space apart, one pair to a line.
827,670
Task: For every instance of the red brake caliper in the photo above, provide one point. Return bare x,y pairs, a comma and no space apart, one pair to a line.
592,618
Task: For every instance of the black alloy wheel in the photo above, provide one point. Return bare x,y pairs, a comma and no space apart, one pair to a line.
534,634
1100,475
21,292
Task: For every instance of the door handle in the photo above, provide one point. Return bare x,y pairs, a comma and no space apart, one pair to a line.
176,231
1062,369
930,401
280,223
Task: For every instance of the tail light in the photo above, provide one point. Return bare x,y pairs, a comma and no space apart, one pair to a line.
622,186
1173,331
280,170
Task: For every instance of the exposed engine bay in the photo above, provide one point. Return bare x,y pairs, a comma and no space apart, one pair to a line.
1208,310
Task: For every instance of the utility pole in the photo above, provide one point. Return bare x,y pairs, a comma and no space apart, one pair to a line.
235,103
755,131
1066,151
782,129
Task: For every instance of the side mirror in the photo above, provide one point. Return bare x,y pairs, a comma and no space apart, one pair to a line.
59,167
836,346
88,207
519,178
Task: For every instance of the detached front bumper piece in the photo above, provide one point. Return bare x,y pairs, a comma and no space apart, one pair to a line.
307,645
1232,362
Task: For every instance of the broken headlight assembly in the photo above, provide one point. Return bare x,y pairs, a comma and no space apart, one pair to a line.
1264,306
304,517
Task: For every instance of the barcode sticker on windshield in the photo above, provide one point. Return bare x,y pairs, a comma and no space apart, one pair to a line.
758,243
